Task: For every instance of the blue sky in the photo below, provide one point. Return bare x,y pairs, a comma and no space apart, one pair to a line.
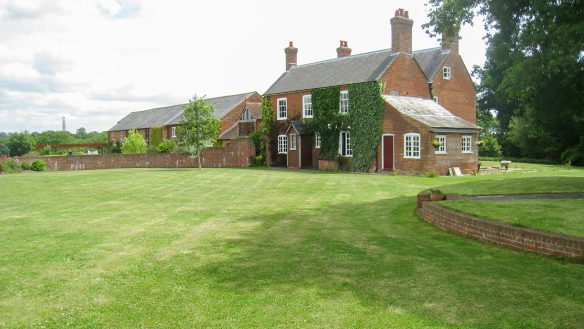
94,61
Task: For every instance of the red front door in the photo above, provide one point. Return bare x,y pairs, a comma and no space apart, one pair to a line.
388,152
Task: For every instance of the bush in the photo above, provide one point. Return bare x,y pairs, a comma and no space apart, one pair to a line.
167,146
574,155
258,161
135,143
38,165
10,165
25,165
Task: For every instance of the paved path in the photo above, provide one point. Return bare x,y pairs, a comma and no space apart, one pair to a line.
574,195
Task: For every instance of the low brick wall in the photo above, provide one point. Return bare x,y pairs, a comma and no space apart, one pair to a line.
236,154
500,233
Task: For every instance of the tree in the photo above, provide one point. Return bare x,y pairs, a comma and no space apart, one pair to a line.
199,128
51,137
4,150
81,133
135,143
20,143
533,78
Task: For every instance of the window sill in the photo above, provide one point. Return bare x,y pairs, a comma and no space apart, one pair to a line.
441,153
280,119
414,158
308,117
467,152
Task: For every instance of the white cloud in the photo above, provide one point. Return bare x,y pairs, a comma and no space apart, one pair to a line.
95,61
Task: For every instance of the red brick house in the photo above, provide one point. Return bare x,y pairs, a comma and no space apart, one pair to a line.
428,95
239,114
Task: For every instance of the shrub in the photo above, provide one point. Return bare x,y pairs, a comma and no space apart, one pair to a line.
10,165
38,165
25,165
135,143
167,146
258,161
430,174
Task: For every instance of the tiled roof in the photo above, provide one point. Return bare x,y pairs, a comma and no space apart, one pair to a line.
334,72
430,60
171,115
298,126
255,109
353,69
230,133
429,113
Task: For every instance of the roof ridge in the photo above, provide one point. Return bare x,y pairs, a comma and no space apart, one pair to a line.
342,58
157,108
233,95
429,49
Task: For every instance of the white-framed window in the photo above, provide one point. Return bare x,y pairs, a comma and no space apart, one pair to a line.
412,146
307,106
282,144
173,132
447,72
316,140
345,144
344,104
466,144
282,108
292,141
435,98
441,139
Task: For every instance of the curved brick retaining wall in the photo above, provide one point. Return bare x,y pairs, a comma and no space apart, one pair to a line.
236,154
497,232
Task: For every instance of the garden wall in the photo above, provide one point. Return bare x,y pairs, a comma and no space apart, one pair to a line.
499,233
236,154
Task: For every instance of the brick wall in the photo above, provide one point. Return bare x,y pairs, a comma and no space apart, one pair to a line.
405,77
236,154
499,233
458,94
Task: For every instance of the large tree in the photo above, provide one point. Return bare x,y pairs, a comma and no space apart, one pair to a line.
533,78
199,128
20,143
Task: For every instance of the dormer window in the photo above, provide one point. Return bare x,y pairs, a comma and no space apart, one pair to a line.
447,72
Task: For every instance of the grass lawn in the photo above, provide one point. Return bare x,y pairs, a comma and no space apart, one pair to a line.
266,248
556,216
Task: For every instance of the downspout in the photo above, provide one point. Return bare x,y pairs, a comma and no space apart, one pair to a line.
430,89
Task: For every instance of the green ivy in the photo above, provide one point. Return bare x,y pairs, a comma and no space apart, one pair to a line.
365,119
156,136
327,121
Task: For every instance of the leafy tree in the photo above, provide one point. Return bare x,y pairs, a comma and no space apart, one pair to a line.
20,143
81,133
199,128
135,143
533,78
4,150
55,137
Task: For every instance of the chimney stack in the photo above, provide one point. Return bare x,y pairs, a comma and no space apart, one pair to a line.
450,41
401,32
343,50
291,56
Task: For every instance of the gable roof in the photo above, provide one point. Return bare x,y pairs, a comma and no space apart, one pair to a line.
334,72
430,113
353,69
172,115
430,60
299,126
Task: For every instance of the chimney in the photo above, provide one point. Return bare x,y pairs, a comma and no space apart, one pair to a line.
291,56
343,50
450,41
401,32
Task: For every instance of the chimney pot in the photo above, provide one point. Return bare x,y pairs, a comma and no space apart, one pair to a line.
343,50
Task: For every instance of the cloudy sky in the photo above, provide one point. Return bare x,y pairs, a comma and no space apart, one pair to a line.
94,61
